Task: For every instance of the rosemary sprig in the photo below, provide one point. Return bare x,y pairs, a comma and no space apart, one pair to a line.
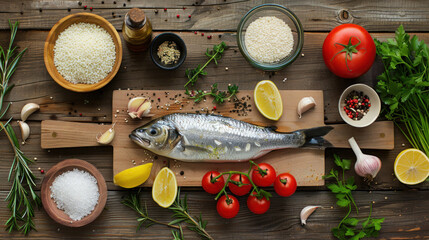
21,196
215,54
181,213
132,200
8,63
178,235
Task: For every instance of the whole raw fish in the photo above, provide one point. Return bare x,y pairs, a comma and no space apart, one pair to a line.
214,138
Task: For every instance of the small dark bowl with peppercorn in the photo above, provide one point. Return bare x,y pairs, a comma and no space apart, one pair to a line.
168,51
359,105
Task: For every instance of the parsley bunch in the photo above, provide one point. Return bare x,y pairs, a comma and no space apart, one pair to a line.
350,227
404,85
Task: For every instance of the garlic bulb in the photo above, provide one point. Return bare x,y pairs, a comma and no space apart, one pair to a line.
25,130
306,212
107,137
139,107
305,104
28,109
366,166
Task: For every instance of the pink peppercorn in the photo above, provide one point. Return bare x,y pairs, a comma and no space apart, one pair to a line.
90,8
165,9
84,7
189,16
178,16
214,107
42,171
209,37
202,34
195,32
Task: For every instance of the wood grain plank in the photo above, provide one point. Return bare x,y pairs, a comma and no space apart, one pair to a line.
224,15
405,216
33,83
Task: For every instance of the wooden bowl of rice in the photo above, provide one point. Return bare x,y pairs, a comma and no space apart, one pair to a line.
87,80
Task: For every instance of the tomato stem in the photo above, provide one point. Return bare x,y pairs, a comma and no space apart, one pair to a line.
349,49
228,180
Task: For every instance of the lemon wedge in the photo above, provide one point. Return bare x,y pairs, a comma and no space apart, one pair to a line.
411,166
268,100
164,189
133,177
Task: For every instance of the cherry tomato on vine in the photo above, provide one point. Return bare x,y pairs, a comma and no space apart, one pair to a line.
349,51
256,205
210,187
227,208
242,190
285,184
264,176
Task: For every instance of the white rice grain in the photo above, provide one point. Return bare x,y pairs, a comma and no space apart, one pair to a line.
84,53
268,39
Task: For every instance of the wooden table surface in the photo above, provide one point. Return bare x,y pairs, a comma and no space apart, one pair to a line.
404,207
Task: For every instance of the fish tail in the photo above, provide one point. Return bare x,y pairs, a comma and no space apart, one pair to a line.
314,137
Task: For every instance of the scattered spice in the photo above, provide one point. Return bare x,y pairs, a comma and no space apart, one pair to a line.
84,7
168,52
42,171
195,32
357,105
209,37
202,34
189,16
178,15
165,9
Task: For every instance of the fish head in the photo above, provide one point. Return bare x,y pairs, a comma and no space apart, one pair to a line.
155,136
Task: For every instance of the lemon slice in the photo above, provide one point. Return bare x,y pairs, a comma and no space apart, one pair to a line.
411,166
268,100
164,189
133,177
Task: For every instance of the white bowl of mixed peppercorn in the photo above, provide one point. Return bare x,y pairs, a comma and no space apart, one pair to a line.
359,105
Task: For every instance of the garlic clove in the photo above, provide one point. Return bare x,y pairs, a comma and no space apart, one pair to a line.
306,212
25,130
305,104
107,137
135,103
139,107
28,109
144,109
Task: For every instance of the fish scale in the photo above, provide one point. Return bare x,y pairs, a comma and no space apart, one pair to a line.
214,138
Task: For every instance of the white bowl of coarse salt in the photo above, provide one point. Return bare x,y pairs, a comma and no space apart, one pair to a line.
270,37
83,52
73,193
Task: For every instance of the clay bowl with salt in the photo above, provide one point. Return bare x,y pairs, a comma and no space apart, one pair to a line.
49,204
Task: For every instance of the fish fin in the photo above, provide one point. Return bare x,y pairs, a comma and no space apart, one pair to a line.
272,128
314,137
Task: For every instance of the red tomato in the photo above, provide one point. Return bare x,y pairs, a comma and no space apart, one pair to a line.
285,184
351,41
264,177
210,187
258,206
244,189
227,208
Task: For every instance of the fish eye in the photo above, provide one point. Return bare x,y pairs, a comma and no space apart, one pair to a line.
153,132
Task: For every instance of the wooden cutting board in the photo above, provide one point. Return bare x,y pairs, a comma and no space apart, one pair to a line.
307,165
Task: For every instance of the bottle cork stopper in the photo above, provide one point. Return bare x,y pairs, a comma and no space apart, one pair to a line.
136,17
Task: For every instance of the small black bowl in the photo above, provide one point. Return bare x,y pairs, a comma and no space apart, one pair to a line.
158,40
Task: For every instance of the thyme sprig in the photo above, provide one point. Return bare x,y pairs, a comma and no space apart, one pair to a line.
194,74
181,213
21,197
213,55
218,96
132,201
